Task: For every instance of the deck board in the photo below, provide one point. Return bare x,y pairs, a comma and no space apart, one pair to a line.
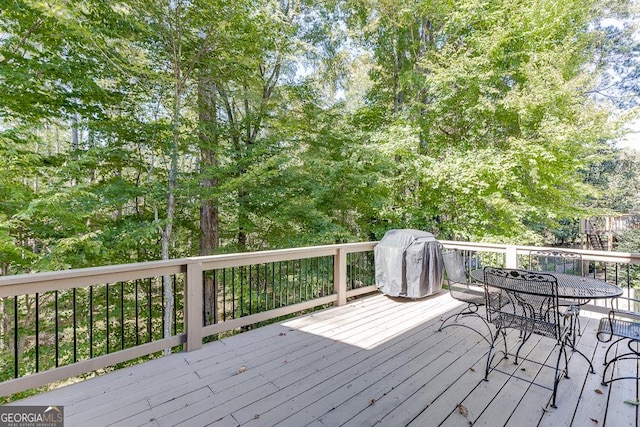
376,361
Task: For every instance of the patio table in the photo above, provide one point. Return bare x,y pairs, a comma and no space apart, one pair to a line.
573,287
580,289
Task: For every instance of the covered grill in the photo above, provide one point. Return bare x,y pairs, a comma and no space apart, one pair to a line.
409,263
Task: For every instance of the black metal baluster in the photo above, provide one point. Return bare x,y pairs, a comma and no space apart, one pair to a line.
15,337
332,285
233,292
258,293
300,281
215,297
37,332
329,273
313,277
286,288
308,274
91,322
258,298
205,318
351,273
175,305
137,317
241,297
266,284
294,274
250,291
57,326
224,294
320,275
303,280
322,282
360,268
318,285
264,277
162,305
261,293
75,326
284,297
628,285
280,283
327,276
323,276
617,279
295,266
121,315
107,315
306,279
149,301
273,281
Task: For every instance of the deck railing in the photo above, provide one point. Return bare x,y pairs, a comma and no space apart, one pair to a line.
69,323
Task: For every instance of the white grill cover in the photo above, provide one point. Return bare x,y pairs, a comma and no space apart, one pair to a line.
409,263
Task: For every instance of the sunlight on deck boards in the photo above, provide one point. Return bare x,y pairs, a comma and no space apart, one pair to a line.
404,317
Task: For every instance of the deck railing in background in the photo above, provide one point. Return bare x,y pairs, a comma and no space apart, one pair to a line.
621,269
68,323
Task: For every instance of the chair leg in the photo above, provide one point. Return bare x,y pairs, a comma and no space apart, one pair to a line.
558,373
632,354
574,320
470,310
584,356
606,355
492,347
523,340
524,336
566,363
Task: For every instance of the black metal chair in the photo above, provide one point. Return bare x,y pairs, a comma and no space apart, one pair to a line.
465,290
625,326
526,301
566,262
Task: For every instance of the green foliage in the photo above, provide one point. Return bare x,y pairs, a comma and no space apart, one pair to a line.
491,120
630,241
299,123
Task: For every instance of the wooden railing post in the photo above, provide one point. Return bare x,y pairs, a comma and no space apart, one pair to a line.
511,258
340,276
193,307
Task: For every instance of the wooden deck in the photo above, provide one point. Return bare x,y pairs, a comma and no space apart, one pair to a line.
376,361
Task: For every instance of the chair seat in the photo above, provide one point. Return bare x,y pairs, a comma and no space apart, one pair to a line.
467,292
618,328
624,326
529,325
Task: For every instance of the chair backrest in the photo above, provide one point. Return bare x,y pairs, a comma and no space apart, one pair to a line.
523,300
556,260
459,284
454,266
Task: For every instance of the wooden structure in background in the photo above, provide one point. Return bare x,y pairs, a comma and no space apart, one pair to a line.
600,232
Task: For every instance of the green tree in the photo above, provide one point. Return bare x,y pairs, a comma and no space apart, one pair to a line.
488,113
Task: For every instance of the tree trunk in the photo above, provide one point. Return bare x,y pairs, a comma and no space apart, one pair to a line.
209,215
167,234
207,115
